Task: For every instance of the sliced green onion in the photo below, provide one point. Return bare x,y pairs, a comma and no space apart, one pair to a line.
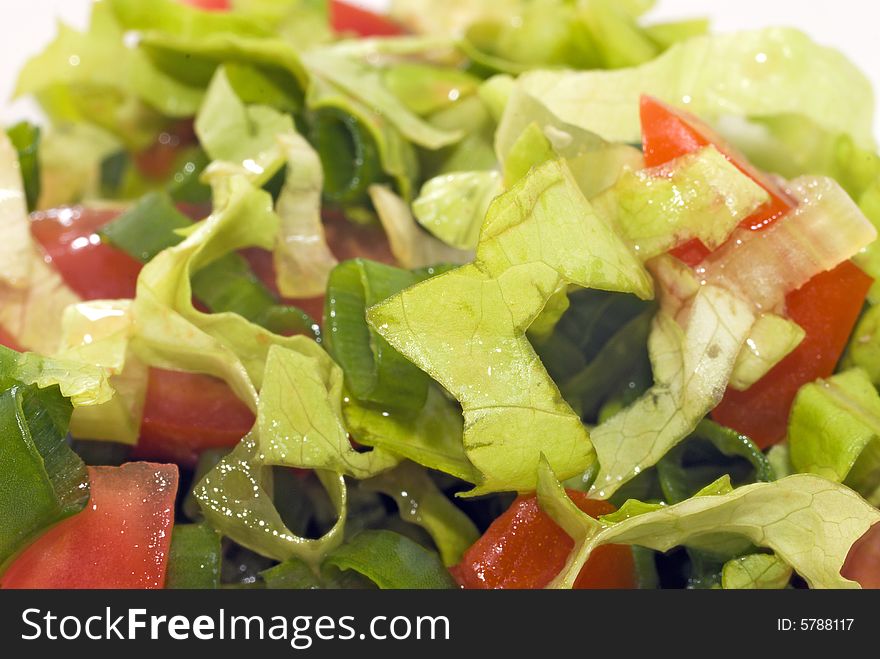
25,137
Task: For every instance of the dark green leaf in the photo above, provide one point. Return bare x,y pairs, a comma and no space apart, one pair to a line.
391,561
195,558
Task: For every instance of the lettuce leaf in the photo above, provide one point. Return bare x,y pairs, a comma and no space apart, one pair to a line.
453,206
171,333
94,77
305,429
410,244
33,314
771,340
15,232
787,73
834,430
691,370
756,571
243,135
303,260
538,237
864,347
99,333
809,522
365,83
391,561
236,499
700,195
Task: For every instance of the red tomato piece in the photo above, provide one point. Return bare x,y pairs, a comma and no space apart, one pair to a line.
157,161
348,18
525,549
6,339
186,413
210,5
120,540
827,308
863,561
93,269
669,133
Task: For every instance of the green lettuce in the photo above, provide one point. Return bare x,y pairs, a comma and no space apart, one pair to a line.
236,499
691,368
786,516
787,73
411,245
756,571
26,139
391,561
834,431
864,347
15,233
306,429
700,195
771,340
94,77
538,237
453,206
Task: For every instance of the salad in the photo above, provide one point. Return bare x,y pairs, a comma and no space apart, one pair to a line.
509,294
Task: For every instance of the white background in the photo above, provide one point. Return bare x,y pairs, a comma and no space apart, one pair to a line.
850,25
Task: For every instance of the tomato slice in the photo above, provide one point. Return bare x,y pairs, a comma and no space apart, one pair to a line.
92,268
669,133
120,540
210,5
863,561
525,549
827,308
7,340
345,17
187,413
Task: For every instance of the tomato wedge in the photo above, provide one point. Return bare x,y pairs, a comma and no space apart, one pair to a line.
525,549
345,17
186,413
120,540
210,5
669,133
7,340
863,561
92,268
827,308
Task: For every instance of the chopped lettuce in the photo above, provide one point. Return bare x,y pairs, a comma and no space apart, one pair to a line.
809,522
756,571
834,430
33,314
691,368
539,236
787,73
391,561
864,347
305,430
303,260
411,245
700,195
15,233
771,340
236,499
453,206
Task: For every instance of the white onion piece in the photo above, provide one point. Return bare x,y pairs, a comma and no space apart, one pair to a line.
826,229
